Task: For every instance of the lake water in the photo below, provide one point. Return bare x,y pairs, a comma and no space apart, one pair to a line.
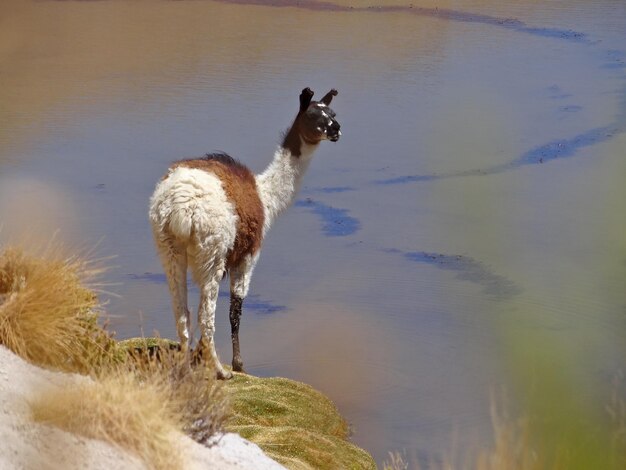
475,201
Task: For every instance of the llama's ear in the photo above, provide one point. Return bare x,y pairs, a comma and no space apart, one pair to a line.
328,97
305,99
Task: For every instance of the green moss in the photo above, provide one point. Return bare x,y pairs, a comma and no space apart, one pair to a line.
298,448
283,402
293,423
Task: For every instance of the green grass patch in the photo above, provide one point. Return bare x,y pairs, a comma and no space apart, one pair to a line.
293,423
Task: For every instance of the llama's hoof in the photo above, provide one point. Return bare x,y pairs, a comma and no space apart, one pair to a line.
224,375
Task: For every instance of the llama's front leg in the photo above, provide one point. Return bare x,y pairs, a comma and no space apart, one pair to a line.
206,320
239,285
235,317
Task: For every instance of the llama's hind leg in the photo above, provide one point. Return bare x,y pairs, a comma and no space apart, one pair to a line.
174,259
239,285
206,320
208,272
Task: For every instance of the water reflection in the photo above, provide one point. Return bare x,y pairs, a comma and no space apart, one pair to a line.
388,294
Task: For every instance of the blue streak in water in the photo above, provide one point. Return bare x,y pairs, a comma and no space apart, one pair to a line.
157,278
337,222
564,148
615,66
440,13
571,108
330,189
556,93
252,302
469,269
555,150
409,179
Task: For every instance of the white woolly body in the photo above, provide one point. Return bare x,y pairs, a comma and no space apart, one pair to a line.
190,206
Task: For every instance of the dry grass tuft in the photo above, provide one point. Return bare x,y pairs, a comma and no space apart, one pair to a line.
195,393
512,448
519,443
395,462
135,415
200,401
47,316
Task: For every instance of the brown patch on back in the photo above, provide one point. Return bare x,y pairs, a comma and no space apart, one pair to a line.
240,188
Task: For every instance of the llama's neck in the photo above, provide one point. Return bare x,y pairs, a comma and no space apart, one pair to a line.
280,182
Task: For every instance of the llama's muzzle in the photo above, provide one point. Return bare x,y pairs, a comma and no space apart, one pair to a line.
333,132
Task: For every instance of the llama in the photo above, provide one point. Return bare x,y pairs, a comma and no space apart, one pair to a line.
211,214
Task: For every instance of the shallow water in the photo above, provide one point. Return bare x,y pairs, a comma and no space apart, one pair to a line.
477,192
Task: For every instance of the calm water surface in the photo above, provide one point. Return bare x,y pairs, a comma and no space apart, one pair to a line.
477,194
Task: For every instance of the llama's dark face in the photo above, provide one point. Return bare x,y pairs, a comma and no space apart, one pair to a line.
317,121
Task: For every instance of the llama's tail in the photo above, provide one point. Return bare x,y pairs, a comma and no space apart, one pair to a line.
189,203
172,213
181,221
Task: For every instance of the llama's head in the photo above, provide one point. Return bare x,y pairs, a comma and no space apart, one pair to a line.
316,121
